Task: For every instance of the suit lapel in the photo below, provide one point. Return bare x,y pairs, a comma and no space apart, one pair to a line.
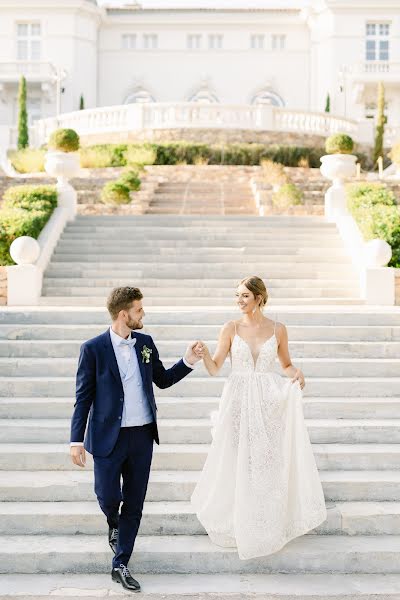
112,361
142,366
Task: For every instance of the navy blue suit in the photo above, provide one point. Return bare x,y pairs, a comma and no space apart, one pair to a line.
117,451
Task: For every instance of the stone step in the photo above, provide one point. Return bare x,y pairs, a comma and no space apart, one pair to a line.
179,518
197,291
193,408
71,255
198,431
207,587
29,366
183,303
189,297
210,386
299,350
317,315
146,220
362,339
190,457
77,485
197,554
191,286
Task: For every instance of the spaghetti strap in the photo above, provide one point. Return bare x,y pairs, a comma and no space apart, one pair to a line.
234,322
274,326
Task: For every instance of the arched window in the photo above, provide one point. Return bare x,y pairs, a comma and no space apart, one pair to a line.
139,95
267,97
204,96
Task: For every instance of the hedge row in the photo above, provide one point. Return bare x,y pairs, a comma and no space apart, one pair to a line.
24,211
374,208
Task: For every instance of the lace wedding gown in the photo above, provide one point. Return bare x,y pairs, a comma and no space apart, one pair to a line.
260,486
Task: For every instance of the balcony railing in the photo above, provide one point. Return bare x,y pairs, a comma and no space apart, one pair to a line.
32,70
375,67
136,117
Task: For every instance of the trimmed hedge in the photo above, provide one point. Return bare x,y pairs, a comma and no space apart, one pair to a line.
339,143
175,153
25,211
64,140
115,192
374,208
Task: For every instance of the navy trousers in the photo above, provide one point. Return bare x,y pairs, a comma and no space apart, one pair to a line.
131,460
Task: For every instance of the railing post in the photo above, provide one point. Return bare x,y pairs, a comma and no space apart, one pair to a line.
135,116
265,117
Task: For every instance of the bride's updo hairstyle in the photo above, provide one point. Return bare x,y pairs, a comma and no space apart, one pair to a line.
256,285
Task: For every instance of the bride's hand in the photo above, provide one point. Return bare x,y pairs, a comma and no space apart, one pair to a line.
200,349
299,377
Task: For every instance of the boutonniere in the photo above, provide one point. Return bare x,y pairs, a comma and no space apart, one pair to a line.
146,354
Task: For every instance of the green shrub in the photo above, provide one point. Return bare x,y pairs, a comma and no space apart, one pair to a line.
140,154
130,179
364,195
374,208
273,172
339,143
25,211
287,195
103,155
64,140
114,192
31,197
27,160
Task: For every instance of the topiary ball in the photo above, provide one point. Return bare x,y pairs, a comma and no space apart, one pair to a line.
64,140
339,143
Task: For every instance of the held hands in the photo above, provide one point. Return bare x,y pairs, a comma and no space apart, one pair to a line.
78,455
191,355
200,350
299,377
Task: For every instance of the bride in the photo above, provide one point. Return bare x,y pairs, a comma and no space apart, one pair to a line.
259,487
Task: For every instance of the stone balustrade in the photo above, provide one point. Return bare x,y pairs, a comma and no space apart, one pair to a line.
189,115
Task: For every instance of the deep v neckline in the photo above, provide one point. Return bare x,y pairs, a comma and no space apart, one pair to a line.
261,347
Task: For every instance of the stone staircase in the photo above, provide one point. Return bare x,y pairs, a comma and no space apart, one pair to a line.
193,261
52,533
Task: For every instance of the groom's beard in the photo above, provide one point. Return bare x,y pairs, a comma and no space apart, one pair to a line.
134,324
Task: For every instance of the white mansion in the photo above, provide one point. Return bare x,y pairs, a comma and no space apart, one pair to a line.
284,53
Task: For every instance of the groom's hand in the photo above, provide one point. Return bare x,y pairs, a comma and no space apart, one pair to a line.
190,354
78,455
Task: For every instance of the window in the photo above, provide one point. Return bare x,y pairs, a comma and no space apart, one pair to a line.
278,42
34,108
28,41
193,41
257,41
377,41
150,41
267,96
139,95
215,41
128,41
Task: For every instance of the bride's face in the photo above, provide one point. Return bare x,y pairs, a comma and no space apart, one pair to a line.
245,299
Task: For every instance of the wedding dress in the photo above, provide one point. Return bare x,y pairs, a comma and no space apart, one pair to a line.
260,486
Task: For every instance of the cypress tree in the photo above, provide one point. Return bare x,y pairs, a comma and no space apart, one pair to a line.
23,134
81,103
380,123
328,103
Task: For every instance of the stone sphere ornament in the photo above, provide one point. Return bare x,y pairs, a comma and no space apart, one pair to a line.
377,253
25,250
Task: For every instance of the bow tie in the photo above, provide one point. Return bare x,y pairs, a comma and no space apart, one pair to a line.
129,342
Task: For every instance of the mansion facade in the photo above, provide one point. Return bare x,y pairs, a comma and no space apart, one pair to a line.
291,54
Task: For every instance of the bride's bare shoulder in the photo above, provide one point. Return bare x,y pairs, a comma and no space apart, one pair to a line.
228,329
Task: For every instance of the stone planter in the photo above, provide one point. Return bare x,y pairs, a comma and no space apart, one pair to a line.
337,168
64,166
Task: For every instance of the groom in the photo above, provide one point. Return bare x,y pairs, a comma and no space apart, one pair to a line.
114,389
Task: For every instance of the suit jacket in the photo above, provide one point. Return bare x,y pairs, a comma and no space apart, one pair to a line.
100,393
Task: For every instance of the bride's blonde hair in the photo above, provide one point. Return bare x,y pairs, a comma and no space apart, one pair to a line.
256,285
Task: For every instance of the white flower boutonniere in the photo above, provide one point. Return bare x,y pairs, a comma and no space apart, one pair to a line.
146,354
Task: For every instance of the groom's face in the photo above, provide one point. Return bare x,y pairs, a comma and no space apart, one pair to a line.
134,316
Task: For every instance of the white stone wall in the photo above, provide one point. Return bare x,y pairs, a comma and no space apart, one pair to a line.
86,40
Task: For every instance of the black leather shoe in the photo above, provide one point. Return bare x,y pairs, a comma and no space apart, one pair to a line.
113,538
121,575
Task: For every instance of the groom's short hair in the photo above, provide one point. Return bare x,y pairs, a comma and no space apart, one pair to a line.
121,298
